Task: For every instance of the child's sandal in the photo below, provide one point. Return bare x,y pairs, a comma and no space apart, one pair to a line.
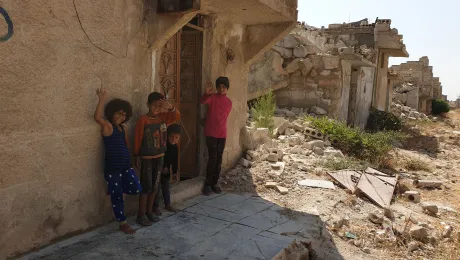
153,218
143,221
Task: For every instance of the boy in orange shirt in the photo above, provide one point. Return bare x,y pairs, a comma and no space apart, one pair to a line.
150,146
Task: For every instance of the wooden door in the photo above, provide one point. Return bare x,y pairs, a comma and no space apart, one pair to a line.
169,74
190,82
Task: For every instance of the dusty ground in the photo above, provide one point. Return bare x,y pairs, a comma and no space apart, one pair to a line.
432,152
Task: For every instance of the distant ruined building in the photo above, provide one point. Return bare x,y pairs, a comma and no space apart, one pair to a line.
342,69
415,86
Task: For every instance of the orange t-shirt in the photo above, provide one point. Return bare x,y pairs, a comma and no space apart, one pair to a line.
150,135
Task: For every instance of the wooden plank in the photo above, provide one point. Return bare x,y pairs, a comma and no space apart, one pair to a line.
375,189
317,184
346,179
195,27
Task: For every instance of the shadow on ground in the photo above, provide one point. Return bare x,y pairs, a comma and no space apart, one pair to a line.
226,226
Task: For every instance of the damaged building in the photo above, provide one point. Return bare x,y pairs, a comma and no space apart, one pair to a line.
62,51
415,86
342,69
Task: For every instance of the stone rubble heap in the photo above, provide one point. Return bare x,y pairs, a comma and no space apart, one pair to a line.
407,113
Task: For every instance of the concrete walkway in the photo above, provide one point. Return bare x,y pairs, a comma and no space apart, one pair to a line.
226,226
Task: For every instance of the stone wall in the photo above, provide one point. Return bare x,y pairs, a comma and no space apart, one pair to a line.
52,152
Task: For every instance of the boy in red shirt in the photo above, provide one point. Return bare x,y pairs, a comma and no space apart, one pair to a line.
150,146
215,130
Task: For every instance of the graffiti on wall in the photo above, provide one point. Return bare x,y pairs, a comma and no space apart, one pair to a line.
9,23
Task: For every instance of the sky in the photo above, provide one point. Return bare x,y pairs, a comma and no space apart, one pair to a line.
429,28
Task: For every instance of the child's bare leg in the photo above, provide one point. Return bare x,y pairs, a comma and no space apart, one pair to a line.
141,218
150,200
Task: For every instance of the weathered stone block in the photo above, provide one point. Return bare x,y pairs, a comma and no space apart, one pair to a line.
331,62
283,52
289,41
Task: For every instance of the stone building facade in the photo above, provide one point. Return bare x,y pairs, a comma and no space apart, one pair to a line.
425,87
62,51
342,69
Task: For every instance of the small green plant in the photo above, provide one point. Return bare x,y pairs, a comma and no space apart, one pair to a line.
264,110
382,121
417,165
439,106
337,164
371,147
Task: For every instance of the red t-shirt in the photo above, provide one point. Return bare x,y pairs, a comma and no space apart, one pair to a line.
219,107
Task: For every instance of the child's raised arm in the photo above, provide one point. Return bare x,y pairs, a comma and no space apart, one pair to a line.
106,127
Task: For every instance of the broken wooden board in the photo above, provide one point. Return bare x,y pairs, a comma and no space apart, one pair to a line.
317,184
346,179
376,189
382,176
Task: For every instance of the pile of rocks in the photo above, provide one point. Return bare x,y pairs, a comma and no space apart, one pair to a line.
276,159
407,113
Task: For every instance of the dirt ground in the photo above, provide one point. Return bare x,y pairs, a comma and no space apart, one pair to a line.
432,152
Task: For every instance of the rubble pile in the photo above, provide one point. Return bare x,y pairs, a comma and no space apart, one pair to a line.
368,209
407,113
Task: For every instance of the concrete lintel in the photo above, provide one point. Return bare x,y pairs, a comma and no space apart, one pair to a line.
357,60
402,52
165,26
260,38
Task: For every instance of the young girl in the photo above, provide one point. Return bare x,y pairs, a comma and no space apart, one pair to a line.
119,175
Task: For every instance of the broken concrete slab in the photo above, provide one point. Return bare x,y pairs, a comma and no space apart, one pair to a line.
346,179
379,191
317,184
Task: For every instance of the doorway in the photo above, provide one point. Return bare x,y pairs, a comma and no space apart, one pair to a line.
180,81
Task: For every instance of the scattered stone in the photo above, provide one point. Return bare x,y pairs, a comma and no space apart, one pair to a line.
277,168
283,52
413,196
430,208
315,143
245,163
254,156
367,250
289,42
318,110
293,141
289,131
376,217
318,151
327,143
419,233
334,153
282,190
412,246
447,232
290,114
296,150
388,212
271,184
272,157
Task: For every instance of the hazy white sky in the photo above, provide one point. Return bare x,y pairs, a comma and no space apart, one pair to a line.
430,28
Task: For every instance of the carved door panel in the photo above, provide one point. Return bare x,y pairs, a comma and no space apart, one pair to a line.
169,74
190,82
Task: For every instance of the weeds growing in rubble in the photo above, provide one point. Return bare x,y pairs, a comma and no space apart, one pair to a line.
264,110
417,165
371,147
338,164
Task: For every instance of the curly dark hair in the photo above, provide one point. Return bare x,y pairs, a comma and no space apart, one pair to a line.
173,129
116,105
